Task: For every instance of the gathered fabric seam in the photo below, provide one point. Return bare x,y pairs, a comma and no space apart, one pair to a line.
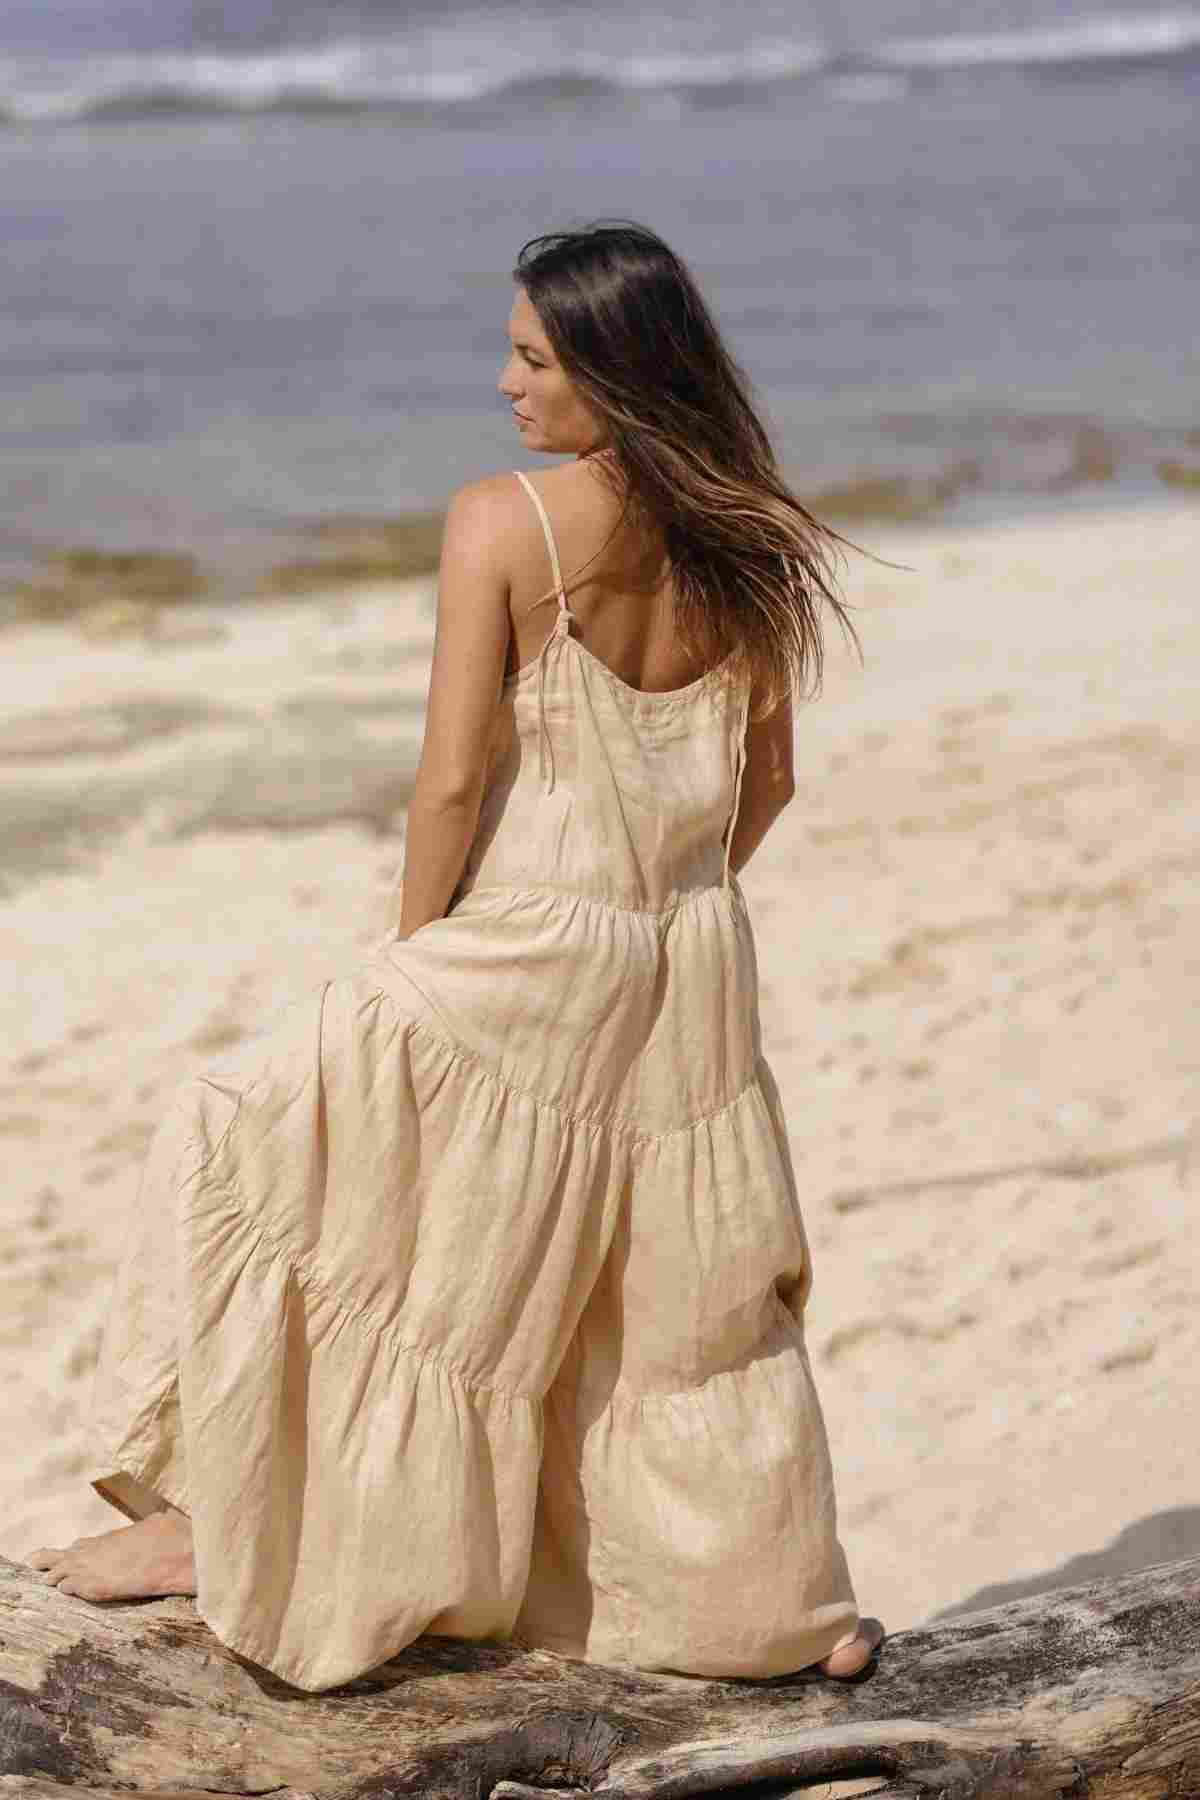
299,1264
691,898
585,1121
648,1399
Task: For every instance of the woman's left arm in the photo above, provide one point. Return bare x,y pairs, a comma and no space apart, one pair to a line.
465,682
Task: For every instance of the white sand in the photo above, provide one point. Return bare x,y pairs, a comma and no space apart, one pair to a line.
980,965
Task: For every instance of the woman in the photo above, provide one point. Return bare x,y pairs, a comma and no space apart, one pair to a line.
470,1300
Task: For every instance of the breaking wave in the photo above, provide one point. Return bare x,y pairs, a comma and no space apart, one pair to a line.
452,63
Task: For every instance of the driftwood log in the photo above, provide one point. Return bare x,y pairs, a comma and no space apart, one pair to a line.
1090,1691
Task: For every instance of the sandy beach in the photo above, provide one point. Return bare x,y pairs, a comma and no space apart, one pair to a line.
980,982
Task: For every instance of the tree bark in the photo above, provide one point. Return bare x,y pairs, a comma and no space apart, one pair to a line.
1090,1691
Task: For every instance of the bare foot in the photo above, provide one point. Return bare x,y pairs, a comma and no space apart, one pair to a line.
132,1563
849,1658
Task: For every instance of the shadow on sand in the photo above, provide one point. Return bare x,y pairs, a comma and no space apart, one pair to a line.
1162,1537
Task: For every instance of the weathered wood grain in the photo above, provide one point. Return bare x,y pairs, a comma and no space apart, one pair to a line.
1084,1693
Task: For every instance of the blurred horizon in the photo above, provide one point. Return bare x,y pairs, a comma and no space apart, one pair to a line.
260,258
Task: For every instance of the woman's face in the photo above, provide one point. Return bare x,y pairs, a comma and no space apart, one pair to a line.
550,413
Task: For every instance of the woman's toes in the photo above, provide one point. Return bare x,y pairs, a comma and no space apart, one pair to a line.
849,1658
151,1557
80,1587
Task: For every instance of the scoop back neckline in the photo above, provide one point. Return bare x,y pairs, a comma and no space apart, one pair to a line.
675,693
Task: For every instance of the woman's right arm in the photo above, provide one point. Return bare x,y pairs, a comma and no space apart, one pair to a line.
768,782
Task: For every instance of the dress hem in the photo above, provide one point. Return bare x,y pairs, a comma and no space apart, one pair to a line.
169,1494
238,1645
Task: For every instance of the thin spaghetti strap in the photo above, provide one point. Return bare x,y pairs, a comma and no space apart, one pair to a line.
549,537
561,629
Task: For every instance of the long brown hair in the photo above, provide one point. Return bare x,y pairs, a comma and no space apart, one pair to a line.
690,455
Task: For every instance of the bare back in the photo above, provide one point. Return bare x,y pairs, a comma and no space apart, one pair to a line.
617,578
621,596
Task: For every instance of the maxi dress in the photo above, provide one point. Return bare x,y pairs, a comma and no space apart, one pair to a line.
468,1297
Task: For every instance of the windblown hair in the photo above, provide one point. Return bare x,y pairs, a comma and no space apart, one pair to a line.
689,454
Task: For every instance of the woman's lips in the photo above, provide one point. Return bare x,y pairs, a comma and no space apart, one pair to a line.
525,420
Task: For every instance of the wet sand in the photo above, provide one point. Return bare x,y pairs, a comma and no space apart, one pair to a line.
980,976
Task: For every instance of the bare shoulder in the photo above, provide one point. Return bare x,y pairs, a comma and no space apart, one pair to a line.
495,510
489,497
483,524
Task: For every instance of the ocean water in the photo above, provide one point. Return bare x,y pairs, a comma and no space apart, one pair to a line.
257,263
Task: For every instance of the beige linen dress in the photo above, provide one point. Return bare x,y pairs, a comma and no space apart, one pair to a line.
469,1297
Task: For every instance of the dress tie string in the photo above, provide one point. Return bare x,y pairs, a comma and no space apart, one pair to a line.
561,626
739,770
